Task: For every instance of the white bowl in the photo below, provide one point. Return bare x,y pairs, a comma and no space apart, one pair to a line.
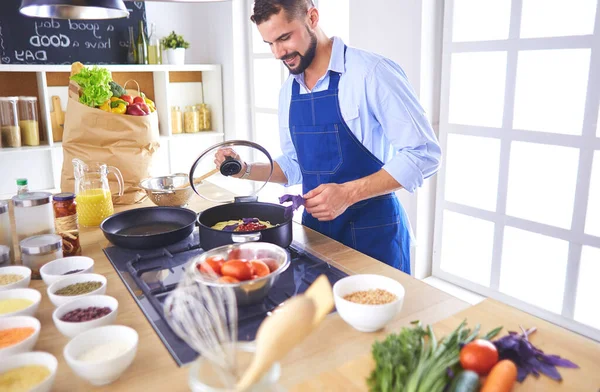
367,318
20,322
106,371
32,358
30,294
16,270
58,300
54,270
71,329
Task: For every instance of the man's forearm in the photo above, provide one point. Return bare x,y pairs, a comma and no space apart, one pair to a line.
260,172
376,184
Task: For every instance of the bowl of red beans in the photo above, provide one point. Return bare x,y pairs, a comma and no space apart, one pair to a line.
85,313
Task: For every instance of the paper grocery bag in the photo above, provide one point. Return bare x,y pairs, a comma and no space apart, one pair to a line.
127,142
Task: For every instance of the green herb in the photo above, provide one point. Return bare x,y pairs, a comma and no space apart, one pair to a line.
174,41
94,83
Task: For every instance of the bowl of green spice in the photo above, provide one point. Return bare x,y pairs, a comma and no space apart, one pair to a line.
76,286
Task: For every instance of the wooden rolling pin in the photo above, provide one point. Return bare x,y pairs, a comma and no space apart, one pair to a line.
199,179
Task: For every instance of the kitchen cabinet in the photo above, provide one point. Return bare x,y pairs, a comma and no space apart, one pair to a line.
167,85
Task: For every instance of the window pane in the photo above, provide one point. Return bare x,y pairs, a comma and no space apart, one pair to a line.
476,20
541,183
258,45
267,134
526,255
334,18
588,289
551,90
472,171
267,81
592,219
467,247
556,18
477,88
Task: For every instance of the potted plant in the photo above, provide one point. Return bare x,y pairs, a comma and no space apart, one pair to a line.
175,47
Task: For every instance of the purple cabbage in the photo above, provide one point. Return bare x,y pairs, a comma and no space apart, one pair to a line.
528,358
249,220
230,227
297,201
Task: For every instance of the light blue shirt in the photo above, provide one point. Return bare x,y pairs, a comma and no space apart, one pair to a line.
381,110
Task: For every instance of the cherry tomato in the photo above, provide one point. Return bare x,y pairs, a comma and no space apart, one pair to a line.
271,263
239,254
212,264
479,356
228,279
239,269
259,268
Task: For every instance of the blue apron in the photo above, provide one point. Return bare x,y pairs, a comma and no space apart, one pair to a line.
328,152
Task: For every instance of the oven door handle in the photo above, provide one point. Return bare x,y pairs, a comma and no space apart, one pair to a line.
250,237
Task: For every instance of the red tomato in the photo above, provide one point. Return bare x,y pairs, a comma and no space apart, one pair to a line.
239,269
239,254
259,268
479,356
212,264
271,263
228,279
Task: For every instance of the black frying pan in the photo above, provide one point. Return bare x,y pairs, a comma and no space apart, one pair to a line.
149,227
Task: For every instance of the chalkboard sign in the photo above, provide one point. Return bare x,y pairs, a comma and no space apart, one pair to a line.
27,40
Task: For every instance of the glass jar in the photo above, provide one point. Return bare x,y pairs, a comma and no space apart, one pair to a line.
39,250
191,120
33,214
9,122
28,121
65,222
4,256
176,120
6,229
205,119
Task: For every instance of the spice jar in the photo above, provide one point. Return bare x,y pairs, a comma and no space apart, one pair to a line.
6,230
205,120
33,214
28,121
39,250
191,121
9,122
65,222
176,120
4,255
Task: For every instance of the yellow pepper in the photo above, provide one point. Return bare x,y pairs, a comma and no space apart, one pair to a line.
113,99
149,102
105,106
118,106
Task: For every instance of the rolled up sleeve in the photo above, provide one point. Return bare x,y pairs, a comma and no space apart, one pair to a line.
416,150
288,160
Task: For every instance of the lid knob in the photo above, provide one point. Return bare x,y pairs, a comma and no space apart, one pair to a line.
230,166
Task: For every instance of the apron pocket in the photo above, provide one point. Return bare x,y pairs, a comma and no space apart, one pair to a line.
379,238
318,148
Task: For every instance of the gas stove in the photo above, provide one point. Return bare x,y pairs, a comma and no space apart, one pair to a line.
150,275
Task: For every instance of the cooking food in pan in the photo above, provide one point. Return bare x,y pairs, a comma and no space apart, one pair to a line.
243,225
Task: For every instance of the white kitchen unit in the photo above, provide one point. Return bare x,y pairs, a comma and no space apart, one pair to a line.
167,85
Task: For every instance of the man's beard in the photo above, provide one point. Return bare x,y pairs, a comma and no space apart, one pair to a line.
306,59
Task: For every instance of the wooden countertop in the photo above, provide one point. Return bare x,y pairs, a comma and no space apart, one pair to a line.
330,346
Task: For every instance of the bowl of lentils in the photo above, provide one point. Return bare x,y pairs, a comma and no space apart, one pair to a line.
60,268
85,313
75,286
14,277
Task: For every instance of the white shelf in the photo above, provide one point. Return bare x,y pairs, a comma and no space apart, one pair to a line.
111,67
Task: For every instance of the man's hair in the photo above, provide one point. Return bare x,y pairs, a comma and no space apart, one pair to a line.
294,9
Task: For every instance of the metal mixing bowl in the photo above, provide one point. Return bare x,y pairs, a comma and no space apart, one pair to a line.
251,291
162,192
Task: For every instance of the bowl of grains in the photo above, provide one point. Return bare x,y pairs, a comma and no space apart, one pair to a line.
33,371
60,268
18,334
75,286
19,302
85,313
14,277
368,302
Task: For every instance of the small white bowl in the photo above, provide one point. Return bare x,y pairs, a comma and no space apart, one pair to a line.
20,322
367,318
54,270
58,300
30,294
106,371
29,359
16,270
71,329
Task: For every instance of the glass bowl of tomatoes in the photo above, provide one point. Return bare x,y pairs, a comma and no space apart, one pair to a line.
251,269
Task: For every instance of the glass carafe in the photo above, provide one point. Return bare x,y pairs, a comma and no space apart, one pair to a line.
93,196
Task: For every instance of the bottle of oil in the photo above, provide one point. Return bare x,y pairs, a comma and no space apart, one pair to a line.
154,49
142,46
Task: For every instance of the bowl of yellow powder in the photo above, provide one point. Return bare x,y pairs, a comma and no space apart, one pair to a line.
14,277
33,371
19,302
18,334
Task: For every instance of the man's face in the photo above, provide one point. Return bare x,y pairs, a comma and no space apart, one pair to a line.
291,41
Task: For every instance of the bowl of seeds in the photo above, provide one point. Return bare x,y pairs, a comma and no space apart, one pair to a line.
14,277
85,313
66,266
368,302
76,286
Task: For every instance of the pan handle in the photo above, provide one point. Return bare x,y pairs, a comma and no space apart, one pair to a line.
250,237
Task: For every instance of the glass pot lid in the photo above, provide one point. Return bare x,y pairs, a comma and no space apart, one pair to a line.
222,184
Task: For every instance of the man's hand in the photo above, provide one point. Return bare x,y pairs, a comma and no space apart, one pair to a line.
224,152
328,201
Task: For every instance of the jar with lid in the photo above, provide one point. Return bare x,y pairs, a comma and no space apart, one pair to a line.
65,223
33,214
9,122
28,121
191,120
176,120
39,250
204,114
6,231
